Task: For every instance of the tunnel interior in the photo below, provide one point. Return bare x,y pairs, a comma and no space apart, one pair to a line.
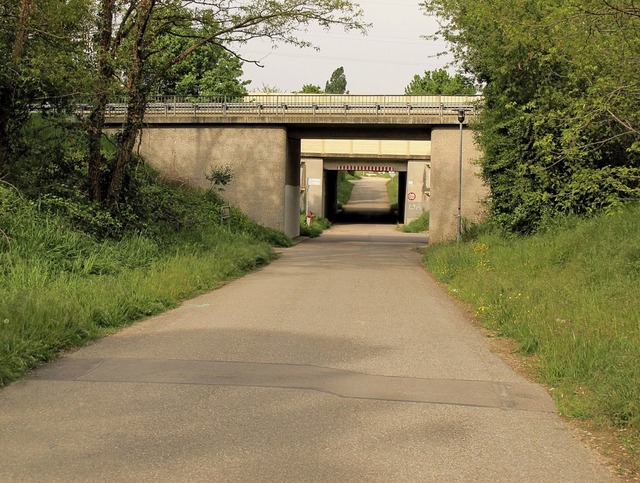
367,204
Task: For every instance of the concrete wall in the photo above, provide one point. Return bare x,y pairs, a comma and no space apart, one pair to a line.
292,189
262,161
315,192
445,149
417,195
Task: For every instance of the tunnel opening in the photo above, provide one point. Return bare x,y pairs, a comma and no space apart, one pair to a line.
364,195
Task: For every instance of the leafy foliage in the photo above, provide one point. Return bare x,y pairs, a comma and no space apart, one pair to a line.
311,89
208,71
559,130
315,229
44,64
220,176
439,82
337,83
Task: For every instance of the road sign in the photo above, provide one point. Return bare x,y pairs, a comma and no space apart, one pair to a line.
411,196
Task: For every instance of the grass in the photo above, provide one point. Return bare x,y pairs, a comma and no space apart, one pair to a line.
392,191
345,187
569,297
318,225
419,225
60,287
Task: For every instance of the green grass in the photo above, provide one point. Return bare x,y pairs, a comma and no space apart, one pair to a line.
392,191
60,287
570,297
318,225
345,187
419,225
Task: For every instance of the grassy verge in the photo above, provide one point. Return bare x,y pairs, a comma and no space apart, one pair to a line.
569,297
60,287
419,225
392,191
345,187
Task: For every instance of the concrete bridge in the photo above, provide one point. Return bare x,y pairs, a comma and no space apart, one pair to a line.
261,139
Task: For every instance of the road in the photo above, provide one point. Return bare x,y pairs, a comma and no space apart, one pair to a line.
341,361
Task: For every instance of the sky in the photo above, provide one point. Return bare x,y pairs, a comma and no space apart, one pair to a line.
382,62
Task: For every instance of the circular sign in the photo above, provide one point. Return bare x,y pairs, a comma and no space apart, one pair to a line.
411,196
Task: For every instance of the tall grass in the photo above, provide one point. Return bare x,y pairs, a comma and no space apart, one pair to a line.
345,187
569,296
59,287
419,225
392,191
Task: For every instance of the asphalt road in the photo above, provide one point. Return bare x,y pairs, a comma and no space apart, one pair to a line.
341,361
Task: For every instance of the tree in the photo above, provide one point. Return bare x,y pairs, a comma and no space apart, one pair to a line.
439,82
209,71
337,83
132,48
43,58
560,127
311,89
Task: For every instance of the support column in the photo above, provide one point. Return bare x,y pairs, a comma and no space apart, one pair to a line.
417,190
445,155
292,189
314,173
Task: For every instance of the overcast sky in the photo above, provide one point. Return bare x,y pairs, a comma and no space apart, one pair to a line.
383,62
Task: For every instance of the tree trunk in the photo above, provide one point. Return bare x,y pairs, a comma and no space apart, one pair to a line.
136,103
21,30
96,119
136,106
7,91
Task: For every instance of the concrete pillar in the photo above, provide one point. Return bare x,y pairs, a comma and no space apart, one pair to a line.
417,190
445,152
314,172
292,189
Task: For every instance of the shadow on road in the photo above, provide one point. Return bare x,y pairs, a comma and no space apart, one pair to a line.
368,216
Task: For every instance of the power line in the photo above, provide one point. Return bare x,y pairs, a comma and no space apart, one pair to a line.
264,55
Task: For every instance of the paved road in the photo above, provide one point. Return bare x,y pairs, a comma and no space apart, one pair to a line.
341,361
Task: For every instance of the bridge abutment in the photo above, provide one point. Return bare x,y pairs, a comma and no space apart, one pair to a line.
445,155
264,162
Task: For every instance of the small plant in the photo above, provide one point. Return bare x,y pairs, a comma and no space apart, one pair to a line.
318,225
220,176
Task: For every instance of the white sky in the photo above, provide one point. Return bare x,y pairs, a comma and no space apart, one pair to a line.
383,62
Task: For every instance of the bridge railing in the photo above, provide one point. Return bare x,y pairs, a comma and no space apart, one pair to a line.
304,105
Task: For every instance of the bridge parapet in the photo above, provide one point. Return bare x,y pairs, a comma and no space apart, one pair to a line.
305,109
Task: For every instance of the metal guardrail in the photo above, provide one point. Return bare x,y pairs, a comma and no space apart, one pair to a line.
305,105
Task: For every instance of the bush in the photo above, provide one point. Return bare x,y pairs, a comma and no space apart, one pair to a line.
318,225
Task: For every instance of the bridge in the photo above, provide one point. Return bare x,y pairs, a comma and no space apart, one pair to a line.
262,138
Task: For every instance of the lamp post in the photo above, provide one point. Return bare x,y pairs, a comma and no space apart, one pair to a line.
461,116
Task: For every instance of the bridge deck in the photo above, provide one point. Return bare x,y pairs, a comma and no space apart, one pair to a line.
305,109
